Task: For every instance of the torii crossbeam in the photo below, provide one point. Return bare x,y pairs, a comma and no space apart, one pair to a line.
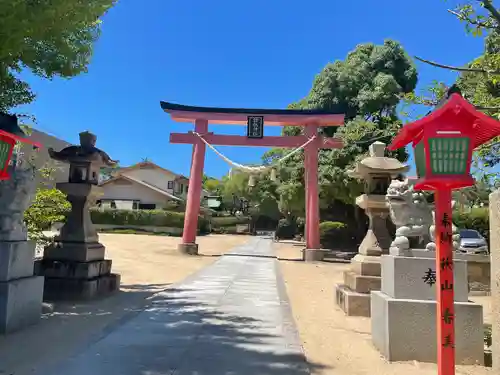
311,120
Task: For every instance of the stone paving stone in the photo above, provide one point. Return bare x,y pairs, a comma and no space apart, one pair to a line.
230,318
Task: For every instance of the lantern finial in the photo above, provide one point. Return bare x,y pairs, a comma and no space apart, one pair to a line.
377,149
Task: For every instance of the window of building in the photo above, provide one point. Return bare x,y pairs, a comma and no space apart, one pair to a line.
170,184
182,189
147,206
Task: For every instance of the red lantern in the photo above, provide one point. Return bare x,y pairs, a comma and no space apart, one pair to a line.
443,142
7,143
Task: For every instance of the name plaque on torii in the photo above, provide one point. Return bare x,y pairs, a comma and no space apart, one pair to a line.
255,127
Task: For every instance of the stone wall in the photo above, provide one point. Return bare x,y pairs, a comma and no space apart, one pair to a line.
495,276
479,271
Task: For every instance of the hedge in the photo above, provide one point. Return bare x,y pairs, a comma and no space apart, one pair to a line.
335,235
157,218
287,229
478,218
229,221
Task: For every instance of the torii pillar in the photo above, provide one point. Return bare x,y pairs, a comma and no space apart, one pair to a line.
202,116
311,252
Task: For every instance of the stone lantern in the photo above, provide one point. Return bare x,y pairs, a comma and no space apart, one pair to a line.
377,171
74,265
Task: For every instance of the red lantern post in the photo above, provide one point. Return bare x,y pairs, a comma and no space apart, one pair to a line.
9,135
7,144
443,143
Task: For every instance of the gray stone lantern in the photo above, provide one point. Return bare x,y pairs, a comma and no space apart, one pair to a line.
377,171
74,265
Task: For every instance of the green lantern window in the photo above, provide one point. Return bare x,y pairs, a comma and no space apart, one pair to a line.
420,159
4,153
449,156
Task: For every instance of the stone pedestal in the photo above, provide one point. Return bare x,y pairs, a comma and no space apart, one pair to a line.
188,248
313,255
74,266
353,296
403,312
20,292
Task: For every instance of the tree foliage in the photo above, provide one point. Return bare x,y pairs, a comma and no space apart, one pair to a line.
483,90
479,81
212,185
262,198
49,37
49,206
368,83
366,87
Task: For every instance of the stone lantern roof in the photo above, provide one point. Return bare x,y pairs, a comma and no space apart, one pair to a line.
377,163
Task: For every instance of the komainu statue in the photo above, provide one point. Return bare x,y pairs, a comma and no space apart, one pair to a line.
413,217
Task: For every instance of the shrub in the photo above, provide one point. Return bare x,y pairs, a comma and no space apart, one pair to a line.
478,218
229,221
158,218
49,206
301,223
287,229
176,206
334,235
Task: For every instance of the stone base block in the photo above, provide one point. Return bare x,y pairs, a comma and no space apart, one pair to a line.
73,251
20,303
16,259
78,289
72,270
313,255
352,303
188,248
415,278
366,265
361,283
405,330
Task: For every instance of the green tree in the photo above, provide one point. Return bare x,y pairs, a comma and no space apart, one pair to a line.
49,37
483,90
212,185
366,87
479,81
49,206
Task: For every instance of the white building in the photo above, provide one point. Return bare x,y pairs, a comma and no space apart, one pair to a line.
144,186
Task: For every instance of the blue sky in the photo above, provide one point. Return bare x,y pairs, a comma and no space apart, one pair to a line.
261,54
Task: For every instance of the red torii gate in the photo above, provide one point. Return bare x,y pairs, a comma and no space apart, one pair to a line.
202,116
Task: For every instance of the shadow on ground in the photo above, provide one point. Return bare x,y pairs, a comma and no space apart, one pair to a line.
71,327
139,331
178,334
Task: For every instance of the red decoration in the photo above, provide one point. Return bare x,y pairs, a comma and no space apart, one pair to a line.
443,143
7,143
